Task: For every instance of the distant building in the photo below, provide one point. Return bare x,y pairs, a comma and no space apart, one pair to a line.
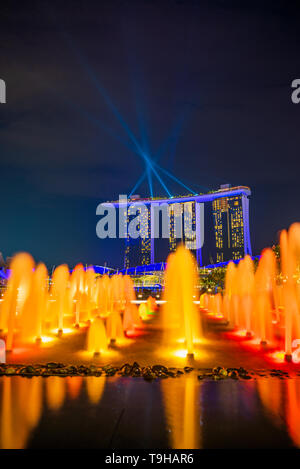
138,251
221,218
231,224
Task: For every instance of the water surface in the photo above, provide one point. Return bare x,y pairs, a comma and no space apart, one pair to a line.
98,412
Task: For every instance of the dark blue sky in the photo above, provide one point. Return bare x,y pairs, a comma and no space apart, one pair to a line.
215,76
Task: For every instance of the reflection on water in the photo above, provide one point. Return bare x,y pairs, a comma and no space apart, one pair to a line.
21,406
74,385
129,413
182,412
271,395
55,392
95,388
293,410
282,400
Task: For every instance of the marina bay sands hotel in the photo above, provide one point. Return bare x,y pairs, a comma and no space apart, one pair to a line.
218,221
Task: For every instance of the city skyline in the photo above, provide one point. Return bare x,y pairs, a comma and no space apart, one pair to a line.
214,227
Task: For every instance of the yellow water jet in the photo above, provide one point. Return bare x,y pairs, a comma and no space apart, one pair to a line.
97,340
180,317
16,294
59,286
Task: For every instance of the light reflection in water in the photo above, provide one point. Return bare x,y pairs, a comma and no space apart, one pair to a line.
21,403
95,388
196,414
293,410
271,393
21,406
282,399
74,384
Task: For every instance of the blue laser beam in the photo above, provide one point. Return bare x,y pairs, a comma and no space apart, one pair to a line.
149,175
140,151
100,88
138,183
175,179
158,176
102,126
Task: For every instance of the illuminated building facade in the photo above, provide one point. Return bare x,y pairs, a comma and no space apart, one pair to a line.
188,233
228,215
220,220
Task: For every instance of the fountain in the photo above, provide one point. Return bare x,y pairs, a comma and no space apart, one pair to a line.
97,340
148,310
246,279
180,318
131,318
32,319
76,290
114,326
264,288
290,262
230,291
90,292
28,308
262,304
15,295
265,304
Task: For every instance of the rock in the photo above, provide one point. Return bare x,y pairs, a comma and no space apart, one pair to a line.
126,371
135,365
124,366
171,373
110,372
83,369
136,371
217,377
61,371
148,374
53,365
106,367
159,369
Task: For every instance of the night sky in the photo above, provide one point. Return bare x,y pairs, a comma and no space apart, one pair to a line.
206,86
